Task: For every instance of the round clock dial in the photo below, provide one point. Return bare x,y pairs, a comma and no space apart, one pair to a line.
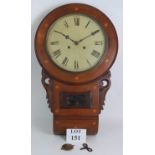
75,42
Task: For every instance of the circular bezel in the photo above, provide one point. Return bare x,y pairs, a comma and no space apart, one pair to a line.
76,77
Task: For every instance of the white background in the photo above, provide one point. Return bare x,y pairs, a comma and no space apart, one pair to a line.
138,75
109,139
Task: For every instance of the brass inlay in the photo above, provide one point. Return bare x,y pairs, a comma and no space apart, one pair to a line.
76,78
76,9
57,87
106,24
46,61
56,110
94,110
46,25
95,87
94,123
57,122
107,60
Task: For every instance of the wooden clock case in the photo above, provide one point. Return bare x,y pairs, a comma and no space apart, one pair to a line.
88,87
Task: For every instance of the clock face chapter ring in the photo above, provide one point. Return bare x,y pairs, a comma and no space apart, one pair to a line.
75,43
75,46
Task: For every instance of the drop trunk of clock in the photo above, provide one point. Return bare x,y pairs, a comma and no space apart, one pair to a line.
76,45
76,106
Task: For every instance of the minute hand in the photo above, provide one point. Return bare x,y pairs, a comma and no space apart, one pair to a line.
93,33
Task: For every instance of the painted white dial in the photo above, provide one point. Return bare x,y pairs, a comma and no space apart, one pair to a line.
75,42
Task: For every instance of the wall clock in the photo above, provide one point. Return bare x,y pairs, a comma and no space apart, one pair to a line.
76,45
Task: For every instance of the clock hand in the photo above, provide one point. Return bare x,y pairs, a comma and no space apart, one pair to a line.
93,33
67,37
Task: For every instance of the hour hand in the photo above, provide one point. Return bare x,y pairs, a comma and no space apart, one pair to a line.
67,37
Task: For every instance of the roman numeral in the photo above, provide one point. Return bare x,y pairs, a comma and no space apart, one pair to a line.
88,62
77,21
98,42
76,65
87,24
66,24
65,61
54,43
57,53
95,54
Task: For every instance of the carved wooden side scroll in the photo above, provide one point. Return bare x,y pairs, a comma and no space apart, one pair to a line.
47,83
105,84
